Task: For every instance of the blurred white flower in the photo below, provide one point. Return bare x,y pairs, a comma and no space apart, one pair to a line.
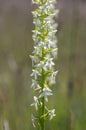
49,64
33,120
35,103
35,85
46,92
35,73
52,114
52,78
34,60
37,51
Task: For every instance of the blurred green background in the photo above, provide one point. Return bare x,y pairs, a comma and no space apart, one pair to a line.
16,45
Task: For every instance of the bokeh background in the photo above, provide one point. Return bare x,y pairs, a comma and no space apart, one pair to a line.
16,45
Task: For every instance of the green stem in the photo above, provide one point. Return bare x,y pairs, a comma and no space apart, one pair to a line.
43,102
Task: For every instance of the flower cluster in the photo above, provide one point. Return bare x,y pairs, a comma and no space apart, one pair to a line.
43,55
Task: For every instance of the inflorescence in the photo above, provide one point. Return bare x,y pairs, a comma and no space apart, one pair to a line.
45,51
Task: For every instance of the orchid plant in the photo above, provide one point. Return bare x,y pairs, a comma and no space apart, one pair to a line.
45,51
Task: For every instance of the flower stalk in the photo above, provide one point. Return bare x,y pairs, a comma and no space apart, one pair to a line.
43,55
